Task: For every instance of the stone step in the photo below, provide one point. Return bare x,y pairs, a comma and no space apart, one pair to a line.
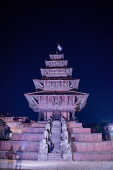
26,145
24,156
27,137
80,130
104,146
39,124
55,159
54,156
72,124
52,153
77,156
95,137
93,156
33,130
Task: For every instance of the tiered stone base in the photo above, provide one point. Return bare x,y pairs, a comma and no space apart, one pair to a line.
29,140
87,146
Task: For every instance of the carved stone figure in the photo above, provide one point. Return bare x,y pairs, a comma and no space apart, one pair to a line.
43,146
65,135
46,135
48,127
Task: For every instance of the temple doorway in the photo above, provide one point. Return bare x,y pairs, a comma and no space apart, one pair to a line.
56,115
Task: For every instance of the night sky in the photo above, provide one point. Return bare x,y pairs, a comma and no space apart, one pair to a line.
29,33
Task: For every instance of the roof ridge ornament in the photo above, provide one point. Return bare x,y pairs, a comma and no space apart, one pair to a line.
59,48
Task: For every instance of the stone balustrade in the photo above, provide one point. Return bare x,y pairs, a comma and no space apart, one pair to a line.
65,144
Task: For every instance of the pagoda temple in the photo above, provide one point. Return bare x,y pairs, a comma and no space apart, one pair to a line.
57,134
56,93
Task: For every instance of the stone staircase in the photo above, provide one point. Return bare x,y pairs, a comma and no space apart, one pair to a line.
28,139
93,156
56,136
54,156
87,146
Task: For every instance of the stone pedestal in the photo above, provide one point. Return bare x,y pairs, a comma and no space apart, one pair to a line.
67,156
42,157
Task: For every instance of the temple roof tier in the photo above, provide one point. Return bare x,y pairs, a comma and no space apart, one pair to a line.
56,56
56,85
56,63
59,78
58,72
61,102
56,93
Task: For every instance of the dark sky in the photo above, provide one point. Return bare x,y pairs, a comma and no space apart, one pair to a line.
29,32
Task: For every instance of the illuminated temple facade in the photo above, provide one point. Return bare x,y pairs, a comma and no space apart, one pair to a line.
57,135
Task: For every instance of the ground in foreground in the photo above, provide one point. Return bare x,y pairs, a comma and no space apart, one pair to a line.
57,165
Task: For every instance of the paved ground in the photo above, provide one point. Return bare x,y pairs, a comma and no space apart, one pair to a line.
58,165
